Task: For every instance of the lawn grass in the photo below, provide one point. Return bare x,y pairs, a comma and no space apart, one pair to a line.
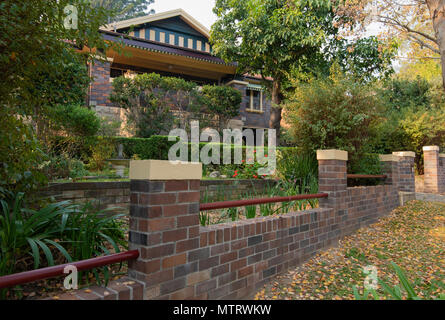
413,237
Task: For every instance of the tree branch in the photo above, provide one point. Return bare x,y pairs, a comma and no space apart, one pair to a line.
394,22
422,43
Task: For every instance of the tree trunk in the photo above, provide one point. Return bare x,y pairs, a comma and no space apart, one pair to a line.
437,12
275,110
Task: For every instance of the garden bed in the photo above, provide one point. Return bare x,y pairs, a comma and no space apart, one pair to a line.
53,287
413,237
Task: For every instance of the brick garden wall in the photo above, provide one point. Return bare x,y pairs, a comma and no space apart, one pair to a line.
117,194
179,259
103,194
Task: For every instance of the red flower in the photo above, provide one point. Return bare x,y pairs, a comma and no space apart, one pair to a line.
265,155
243,161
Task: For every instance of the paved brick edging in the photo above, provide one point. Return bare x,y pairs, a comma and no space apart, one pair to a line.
430,197
181,260
121,289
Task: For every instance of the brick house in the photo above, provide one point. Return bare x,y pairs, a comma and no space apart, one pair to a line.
172,44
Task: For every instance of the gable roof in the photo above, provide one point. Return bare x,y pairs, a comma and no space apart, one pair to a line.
154,46
160,16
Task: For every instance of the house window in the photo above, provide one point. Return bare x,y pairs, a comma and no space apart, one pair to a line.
256,100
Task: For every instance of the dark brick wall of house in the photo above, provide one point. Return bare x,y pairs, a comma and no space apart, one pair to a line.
101,89
101,86
253,120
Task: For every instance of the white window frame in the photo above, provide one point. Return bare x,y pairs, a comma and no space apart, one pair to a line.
251,101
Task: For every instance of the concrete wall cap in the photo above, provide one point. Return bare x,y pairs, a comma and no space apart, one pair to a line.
431,148
388,157
404,154
332,154
165,170
442,155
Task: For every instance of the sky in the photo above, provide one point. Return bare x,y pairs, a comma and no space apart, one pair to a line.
201,10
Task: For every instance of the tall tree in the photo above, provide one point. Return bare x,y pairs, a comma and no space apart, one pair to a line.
38,37
270,37
125,9
420,22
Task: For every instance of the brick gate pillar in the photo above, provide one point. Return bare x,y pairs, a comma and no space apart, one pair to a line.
406,180
332,179
441,172
433,171
390,167
164,223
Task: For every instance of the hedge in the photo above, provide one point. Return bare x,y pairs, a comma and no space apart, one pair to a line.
155,147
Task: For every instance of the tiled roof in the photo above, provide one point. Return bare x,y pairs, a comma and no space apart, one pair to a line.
161,47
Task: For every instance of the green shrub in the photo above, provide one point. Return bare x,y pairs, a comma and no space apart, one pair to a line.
424,128
56,167
77,169
155,147
150,99
97,149
24,231
102,150
57,230
223,102
333,113
365,163
76,120
298,167
62,166
20,155
90,233
400,94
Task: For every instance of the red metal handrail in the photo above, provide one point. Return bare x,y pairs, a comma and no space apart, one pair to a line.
49,272
367,176
249,202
